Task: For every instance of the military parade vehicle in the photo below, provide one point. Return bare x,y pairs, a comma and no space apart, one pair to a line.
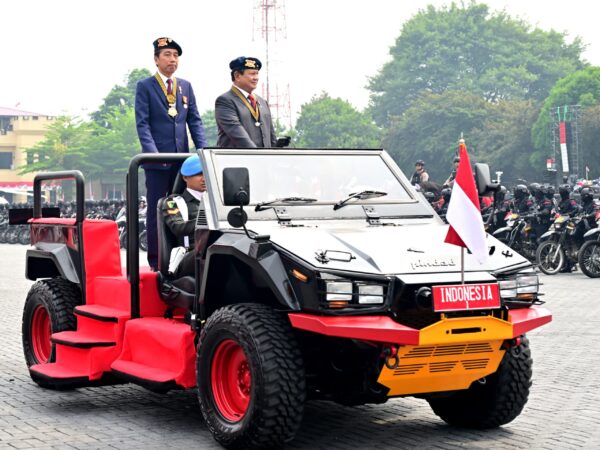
319,274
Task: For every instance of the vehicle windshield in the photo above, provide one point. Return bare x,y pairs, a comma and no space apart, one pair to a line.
326,177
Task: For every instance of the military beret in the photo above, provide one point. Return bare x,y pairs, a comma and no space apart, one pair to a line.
165,42
244,62
191,166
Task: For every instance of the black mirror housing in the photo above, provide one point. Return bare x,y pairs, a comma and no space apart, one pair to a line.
236,186
483,180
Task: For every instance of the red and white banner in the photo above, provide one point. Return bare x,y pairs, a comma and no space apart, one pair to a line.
464,213
562,132
462,297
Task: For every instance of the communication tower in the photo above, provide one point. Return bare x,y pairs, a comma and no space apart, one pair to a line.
270,27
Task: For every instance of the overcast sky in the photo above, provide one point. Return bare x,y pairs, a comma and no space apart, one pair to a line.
64,56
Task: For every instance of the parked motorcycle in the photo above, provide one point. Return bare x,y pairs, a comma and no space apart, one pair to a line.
517,234
560,245
589,253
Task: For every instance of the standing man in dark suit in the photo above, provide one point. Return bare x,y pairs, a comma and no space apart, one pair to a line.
165,107
243,118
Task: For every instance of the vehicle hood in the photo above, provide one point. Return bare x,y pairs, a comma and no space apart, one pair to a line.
406,249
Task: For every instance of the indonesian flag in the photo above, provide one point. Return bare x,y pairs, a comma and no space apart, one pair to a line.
464,214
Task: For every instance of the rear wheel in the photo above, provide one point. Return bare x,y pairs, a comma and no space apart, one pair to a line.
48,309
251,384
144,241
589,258
550,257
24,236
494,401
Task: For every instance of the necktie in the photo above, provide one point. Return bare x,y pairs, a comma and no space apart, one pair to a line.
252,101
169,87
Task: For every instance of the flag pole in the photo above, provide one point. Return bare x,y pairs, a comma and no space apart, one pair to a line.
462,265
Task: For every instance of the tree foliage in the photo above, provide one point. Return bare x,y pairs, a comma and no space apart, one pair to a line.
497,134
119,97
580,88
467,48
327,122
210,127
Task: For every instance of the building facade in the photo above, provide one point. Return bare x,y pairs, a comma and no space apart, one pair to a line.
18,131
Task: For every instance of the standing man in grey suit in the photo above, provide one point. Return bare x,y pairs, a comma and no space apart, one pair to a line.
243,118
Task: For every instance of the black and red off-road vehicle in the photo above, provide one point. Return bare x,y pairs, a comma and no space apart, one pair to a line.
334,282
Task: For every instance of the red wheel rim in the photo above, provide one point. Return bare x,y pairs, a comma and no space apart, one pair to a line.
231,380
40,334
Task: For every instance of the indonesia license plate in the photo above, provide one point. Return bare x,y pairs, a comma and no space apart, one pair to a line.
463,297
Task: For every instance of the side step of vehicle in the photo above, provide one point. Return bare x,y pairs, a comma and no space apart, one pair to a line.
166,358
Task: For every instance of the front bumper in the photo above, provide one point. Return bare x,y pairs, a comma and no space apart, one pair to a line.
446,356
462,329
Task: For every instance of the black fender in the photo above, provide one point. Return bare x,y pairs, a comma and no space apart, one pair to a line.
50,260
242,252
589,235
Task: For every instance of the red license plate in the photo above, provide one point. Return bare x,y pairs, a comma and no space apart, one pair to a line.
464,297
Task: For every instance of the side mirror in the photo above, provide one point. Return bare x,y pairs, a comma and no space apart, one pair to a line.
236,186
483,180
237,217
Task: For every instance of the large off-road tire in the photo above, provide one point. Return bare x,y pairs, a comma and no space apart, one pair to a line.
495,402
48,309
588,258
550,258
12,235
250,377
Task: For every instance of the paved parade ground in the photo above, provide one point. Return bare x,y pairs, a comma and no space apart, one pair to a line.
563,409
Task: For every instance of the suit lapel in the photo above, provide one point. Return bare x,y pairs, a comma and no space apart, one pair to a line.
159,92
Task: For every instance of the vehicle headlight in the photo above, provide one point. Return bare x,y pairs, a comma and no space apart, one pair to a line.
338,291
344,293
524,286
370,294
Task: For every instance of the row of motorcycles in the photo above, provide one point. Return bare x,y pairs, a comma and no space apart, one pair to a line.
103,209
557,233
570,240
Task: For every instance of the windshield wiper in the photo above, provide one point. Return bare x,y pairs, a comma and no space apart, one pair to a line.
266,205
364,195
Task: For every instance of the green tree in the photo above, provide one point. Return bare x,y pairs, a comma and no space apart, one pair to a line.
327,122
467,48
580,88
590,140
63,147
495,133
120,96
504,140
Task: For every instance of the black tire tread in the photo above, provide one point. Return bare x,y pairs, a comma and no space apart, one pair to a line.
60,296
498,402
277,419
538,258
581,252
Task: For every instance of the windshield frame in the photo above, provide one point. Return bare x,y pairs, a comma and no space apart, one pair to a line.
320,210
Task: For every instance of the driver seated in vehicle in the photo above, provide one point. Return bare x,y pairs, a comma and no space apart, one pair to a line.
179,215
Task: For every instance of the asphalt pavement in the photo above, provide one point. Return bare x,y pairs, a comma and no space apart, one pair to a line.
563,411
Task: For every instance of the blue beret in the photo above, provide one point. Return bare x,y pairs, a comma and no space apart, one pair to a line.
191,166
245,62
164,42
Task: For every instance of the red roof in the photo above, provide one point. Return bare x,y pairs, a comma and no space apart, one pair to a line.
17,112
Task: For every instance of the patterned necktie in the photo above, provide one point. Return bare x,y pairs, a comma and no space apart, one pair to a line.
169,87
252,101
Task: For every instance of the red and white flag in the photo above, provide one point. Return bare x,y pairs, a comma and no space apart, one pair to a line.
464,213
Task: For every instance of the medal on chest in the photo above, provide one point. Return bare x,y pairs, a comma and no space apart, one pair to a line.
171,98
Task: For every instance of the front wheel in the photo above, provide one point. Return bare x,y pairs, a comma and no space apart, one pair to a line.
493,401
48,309
250,377
550,257
589,258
